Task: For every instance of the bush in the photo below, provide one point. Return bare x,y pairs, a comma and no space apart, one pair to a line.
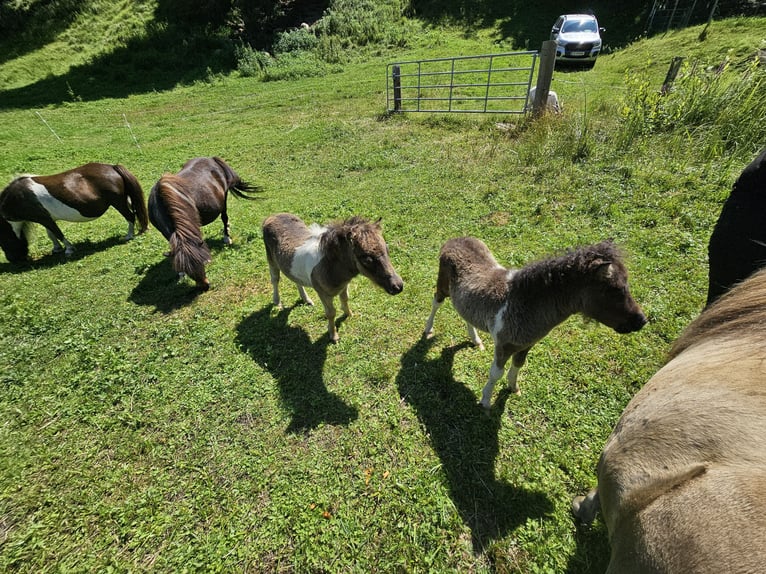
295,41
251,63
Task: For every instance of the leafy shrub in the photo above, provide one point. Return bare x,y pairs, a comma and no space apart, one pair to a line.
293,65
250,62
295,41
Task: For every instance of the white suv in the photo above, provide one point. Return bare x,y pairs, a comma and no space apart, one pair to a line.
578,38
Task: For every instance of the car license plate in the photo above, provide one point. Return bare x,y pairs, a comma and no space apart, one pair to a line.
577,53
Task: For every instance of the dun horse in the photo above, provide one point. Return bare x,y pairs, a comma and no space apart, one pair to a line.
682,478
80,194
180,204
327,259
518,307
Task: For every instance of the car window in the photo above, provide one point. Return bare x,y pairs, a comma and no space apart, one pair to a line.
579,26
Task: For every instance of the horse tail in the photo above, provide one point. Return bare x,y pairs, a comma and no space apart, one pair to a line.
136,195
188,249
236,185
243,189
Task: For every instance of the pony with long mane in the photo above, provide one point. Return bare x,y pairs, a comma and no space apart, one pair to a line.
181,204
682,478
518,307
80,194
326,258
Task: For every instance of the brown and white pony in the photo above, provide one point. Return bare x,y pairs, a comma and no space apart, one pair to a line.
80,194
181,203
682,478
518,307
327,258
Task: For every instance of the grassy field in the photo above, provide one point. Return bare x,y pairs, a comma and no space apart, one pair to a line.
144,427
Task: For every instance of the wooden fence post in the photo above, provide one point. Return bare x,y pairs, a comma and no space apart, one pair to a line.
396,74
544,77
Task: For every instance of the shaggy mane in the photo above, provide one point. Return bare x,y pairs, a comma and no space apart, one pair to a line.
572,264
359,226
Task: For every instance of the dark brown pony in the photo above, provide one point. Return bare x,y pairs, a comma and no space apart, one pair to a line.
80,194
327,259
737,245
518,307
181,203
682,478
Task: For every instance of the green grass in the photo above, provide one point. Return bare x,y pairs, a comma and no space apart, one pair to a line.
146,428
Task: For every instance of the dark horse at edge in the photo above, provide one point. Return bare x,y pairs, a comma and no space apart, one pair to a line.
181,203
80,194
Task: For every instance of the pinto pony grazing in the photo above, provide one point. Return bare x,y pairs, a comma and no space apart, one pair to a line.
180,204
80,194
518,307
682,478
327,259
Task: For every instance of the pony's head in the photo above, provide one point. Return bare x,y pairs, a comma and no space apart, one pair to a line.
371,253
607,298
15,246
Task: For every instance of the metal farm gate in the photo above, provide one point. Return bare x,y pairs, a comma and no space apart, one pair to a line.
491,83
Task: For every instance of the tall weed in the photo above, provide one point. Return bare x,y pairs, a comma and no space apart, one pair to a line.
722,108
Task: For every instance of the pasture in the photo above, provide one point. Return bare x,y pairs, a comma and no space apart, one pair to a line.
148,427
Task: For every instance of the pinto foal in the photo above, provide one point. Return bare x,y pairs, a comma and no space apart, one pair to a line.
518,307
327,259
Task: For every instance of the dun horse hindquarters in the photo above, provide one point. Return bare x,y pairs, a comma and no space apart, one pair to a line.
518,307
181,204
682,478
327,259
80,194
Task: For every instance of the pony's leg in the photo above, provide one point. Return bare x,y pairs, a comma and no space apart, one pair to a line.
304,296
440,294
344,301
129,235
68,249
226,227
274,276
329,313
586,507
473,334
513,372
495,373
429,330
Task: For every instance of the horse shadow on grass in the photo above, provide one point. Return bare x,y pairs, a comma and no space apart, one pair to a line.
161,289
82,249
296,364
465,438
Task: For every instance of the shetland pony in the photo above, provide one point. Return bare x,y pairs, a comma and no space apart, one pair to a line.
518,307
682,478
181,203
737,245
80,194
327,259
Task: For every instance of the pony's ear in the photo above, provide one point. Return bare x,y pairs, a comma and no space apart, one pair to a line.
605,269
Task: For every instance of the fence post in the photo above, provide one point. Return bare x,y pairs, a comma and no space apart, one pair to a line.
544,77
670,77
396,77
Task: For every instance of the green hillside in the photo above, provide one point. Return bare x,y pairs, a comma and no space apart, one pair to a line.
147,427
